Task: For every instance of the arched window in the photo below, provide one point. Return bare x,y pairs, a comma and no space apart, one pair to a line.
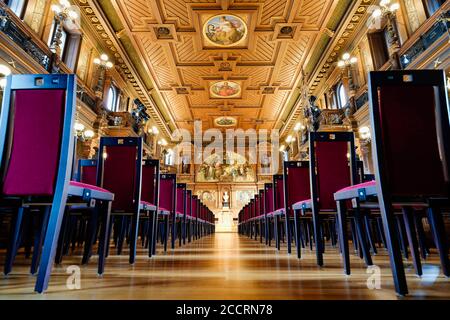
113,99
342,96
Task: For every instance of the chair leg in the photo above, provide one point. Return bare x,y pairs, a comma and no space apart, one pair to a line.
401,233
37,249
174,230
440,238
155,232
62,237
91,234
369,233
421,235
412,239
354,237
150,229
166,232
104,236
134,236
297,233
317,237
288,232
56,212
395,257
343,239
361,236
14,240
121,233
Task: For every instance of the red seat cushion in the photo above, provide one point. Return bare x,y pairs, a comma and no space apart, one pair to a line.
87,186
301,203
145,203
372,183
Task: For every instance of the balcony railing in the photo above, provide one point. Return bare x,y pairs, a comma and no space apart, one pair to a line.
24,38
430,32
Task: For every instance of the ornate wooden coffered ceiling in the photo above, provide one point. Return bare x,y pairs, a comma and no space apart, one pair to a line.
179,72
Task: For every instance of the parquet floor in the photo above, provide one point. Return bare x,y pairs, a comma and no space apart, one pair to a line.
225,266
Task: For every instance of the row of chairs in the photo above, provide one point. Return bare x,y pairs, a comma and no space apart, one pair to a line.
119,193
314,200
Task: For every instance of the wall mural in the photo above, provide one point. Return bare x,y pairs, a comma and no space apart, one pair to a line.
225,90
208,197
224,30
235,169
243,197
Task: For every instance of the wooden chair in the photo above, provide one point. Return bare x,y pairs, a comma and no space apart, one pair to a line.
181,213
268,210
332,167
150,201
167,206
120,170
36,152
410,120
296,189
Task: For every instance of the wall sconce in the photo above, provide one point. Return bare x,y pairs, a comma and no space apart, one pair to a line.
290,139
153,130
347,60
81,133
385,8
282,148
364,133
64,13
346,63
103,64
4,72
162,142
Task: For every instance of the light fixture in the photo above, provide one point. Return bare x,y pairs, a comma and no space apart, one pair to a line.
298,126
105,155
64,14
385,8
79,127
162,142
282,148
153,130
289,139
4,72
89,134
103,64
364,133
347,60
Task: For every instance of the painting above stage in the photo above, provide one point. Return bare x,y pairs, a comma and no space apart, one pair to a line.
224,30
234,169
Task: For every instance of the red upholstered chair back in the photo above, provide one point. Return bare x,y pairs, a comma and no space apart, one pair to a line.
121,171
181,197
268,190
333,171
296,182
150,181
167,192
37,114
261,202
189,202
88,171
278,191
194,206
411,131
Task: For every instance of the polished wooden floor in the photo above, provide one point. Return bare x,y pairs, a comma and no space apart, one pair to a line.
225,266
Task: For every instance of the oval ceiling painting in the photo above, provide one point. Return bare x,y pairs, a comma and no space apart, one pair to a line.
225,122
225,30
225,90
